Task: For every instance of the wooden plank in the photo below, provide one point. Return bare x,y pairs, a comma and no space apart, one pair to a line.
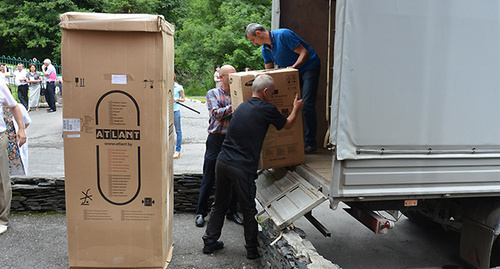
321,163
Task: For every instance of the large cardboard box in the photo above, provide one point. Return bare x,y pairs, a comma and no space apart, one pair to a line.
284,147
118,134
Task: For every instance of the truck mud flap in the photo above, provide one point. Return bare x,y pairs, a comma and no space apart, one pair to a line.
476,242
284,196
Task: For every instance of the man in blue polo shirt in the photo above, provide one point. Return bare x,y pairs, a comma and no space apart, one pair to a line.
285,48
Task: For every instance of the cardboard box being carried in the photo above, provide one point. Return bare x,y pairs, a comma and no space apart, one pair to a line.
284,147
118,131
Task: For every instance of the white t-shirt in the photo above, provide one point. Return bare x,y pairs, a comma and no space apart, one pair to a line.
6,98
4,77
19,75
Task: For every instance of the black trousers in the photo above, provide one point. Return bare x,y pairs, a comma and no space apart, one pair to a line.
244,183
22,94
213,147
50,95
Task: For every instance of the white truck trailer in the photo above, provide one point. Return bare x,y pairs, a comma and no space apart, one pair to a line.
413,117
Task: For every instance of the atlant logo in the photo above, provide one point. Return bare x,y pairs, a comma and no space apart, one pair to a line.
116,134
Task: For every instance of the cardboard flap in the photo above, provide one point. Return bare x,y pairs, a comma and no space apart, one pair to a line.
115,22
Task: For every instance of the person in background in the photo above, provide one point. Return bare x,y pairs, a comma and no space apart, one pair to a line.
49,71
59,84
247,69
220,111
238,161
217,79
4,74
287,49
6,99
34,84
178,97
18,155
22,85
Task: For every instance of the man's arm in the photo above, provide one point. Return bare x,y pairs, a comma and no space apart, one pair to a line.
303,56
44,68
215,108
269,65
18,116
297,106
183,97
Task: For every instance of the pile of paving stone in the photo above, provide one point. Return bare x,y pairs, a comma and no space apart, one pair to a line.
289,249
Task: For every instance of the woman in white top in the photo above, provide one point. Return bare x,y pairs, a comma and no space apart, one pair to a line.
18,156
34,82
4,74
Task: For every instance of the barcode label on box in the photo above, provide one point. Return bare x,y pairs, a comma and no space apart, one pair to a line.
118,79
71,125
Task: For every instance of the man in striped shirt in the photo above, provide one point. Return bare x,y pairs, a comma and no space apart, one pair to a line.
220,111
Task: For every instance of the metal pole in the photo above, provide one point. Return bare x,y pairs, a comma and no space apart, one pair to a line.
188,107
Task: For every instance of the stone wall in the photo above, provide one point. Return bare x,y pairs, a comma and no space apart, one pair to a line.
186,190
37,195
45,194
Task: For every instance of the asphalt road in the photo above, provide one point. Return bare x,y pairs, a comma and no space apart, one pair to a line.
40,240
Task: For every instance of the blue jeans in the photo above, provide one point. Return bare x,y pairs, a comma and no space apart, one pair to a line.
309,84
178,131
213,147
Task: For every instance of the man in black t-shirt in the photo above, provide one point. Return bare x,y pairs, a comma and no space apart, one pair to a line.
238,160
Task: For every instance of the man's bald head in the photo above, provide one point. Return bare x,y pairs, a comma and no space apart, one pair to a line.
227,69
224,75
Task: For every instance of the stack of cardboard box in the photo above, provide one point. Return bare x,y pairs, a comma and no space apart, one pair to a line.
284,147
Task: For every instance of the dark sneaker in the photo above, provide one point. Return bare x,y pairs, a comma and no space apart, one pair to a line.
310,149
235,217
252,254
207,249
200,220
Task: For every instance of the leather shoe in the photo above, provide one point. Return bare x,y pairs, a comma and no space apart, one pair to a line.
235,217
310,149
200,220
252,253
207,249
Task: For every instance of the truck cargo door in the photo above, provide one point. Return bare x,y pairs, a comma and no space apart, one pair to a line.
284,196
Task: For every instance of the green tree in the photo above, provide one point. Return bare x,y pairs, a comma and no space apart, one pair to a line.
208,32
213,32
31,28
133,6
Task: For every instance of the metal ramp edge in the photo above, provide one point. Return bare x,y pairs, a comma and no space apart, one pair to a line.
284,196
